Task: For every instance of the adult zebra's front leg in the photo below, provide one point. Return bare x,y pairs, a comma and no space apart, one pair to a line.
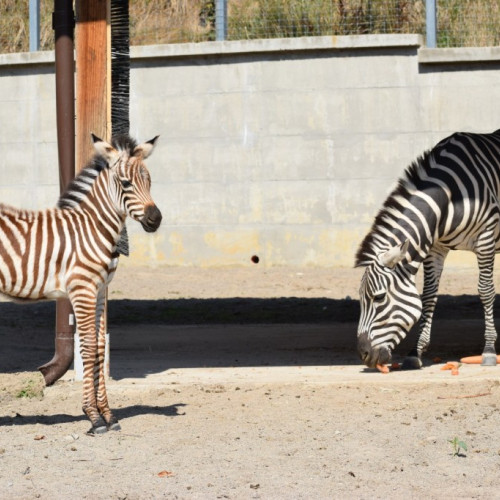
485,252
433,268
84,302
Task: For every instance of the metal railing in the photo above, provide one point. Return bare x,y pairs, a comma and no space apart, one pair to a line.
445,23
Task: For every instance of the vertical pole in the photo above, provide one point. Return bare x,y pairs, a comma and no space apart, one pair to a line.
34,25
63,24
221,20
431,23
93,96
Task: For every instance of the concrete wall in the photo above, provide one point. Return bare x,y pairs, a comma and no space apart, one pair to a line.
283,149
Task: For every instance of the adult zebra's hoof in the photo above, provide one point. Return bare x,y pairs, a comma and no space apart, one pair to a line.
489,359
411,363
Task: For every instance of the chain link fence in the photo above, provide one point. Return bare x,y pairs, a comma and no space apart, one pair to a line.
460,22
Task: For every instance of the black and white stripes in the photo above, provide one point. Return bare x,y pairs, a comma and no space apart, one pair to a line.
448,199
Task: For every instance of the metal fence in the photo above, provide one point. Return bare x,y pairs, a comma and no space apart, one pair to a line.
459,22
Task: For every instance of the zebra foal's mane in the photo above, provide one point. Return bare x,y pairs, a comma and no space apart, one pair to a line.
407,183
80,186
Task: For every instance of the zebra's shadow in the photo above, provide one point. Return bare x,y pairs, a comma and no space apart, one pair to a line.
121,413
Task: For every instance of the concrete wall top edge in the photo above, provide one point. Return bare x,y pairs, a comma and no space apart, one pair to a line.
275,45
237,47
458,55
27,58
425,55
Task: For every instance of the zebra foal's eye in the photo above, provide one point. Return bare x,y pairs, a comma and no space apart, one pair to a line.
379,297
125,184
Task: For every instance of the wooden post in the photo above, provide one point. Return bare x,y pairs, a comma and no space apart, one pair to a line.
93,96
93,75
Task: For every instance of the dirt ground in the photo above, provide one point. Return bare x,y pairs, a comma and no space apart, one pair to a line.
244,383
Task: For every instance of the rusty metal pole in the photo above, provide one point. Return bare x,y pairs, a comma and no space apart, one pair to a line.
63,23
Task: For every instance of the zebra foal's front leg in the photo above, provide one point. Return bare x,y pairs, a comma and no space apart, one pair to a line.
99,368
84,304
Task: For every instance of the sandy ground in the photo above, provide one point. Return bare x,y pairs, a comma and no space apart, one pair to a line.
243,383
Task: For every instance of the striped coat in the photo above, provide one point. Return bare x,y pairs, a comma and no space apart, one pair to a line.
71,251
449,199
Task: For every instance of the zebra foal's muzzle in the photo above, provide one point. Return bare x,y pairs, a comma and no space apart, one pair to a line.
372,356
152,219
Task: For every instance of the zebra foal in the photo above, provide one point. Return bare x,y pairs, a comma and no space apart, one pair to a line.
448,199
71,251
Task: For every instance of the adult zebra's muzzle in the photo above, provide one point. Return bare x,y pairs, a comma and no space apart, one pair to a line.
372,356
152,219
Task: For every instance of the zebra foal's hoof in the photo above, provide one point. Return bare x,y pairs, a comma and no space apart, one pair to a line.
98,427
114,426
411,363
489,359
95,430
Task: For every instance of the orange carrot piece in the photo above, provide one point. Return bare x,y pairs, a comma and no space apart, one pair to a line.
383,368
450,365
476,360
454,371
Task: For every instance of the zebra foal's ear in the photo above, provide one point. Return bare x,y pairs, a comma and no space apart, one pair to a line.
394,255
145,149
104,149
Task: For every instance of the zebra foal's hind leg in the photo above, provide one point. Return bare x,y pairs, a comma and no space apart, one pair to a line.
433,268
485,252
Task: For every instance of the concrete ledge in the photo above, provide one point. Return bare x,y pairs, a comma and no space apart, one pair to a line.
425,55
276,45
28,58
238,47
459,55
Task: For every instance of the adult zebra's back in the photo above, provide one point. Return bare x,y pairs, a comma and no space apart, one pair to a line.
448,199
72,251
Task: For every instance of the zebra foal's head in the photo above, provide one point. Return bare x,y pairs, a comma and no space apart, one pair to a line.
131,181
390,305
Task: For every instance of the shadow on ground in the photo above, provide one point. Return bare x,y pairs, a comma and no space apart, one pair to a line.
167,334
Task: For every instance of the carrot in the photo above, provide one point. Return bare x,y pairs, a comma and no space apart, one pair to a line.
451,365
383,368
454,371
476,360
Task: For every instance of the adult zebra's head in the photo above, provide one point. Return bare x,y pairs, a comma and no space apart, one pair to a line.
390,305
130,178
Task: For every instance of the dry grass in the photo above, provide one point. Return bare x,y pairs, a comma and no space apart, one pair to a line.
461,22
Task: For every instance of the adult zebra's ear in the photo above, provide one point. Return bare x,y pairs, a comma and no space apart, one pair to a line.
104,149
394,255
145,149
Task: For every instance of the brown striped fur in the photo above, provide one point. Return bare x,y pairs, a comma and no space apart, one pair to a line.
71,251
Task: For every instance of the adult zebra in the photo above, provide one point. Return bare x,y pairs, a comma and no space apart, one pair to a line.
71,251
448,199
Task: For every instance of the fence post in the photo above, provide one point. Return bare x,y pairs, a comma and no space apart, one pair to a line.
34,25
221,20
431,24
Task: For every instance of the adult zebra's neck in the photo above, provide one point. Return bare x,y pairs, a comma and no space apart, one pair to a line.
410,213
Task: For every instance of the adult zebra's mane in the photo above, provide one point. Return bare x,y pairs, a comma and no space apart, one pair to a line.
405,186
81,185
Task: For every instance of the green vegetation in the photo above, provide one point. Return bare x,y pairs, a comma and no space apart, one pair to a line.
458,445
31,388
460,22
